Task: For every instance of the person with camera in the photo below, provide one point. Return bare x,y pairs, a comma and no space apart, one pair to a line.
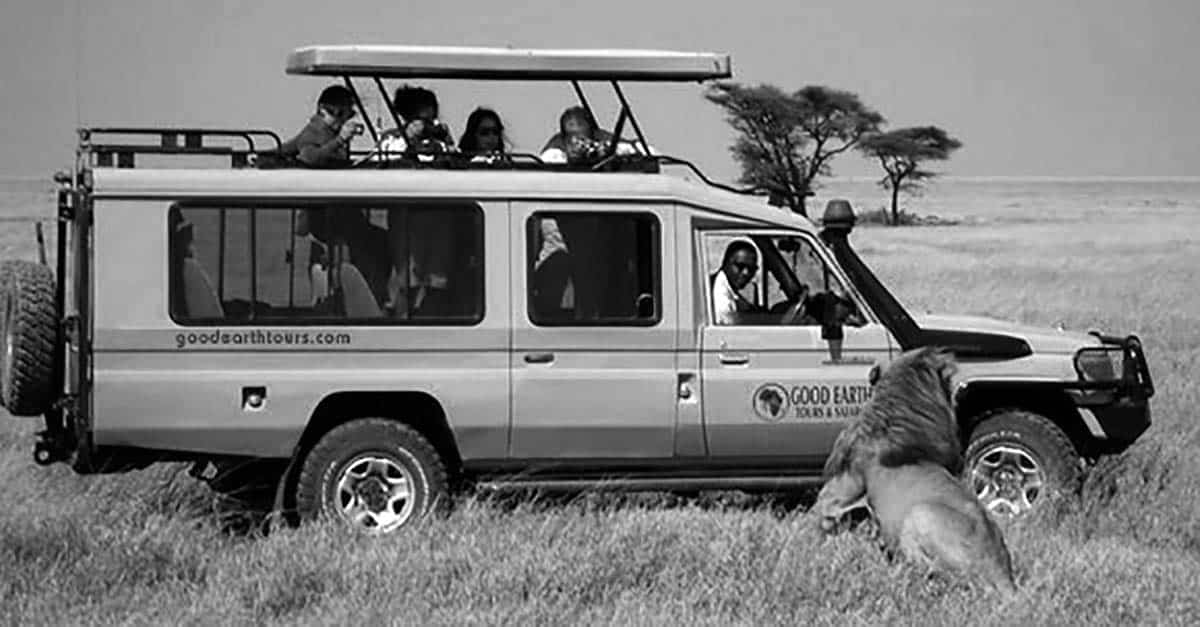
325,141
581,140
421,132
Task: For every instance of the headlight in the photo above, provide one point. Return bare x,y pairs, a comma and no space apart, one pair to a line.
1100,364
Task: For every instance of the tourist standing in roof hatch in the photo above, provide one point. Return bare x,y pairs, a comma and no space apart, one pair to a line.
325,141
421,131
484,133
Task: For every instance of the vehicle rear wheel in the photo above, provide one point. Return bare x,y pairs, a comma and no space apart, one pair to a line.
377,475
1016,458
27,337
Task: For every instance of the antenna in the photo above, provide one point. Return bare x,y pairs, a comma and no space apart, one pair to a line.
78,43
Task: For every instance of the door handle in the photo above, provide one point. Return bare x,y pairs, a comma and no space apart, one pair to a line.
735,359
539,358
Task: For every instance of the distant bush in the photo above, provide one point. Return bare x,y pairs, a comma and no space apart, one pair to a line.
882,217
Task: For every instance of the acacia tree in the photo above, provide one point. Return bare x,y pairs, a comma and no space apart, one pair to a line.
901,152
785,141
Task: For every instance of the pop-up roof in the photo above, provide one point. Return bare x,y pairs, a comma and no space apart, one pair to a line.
377,63
391,61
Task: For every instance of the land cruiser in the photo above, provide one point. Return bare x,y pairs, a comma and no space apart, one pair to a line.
359,341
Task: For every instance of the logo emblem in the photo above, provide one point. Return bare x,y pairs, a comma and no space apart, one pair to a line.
771,402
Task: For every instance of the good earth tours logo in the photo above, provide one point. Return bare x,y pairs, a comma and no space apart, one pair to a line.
773,402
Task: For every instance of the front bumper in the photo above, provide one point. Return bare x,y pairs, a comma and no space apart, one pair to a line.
1121,422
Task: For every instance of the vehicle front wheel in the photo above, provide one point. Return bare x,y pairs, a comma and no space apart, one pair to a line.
1015,457
375,474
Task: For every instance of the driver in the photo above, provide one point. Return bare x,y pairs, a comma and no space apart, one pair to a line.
737,269
828,309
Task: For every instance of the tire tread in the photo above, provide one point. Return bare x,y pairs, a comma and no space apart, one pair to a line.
1039,428
28,389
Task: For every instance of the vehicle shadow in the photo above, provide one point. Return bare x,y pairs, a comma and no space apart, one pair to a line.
780,505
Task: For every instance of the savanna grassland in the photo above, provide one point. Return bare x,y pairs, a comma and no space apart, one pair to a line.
142,548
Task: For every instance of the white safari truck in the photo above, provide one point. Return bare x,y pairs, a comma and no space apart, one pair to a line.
362,341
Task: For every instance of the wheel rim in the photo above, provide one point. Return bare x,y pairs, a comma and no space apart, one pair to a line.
374,493
1007,479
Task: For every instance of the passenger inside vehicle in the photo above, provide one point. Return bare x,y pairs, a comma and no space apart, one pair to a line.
348,236
437,260
422,245
197,298
553,287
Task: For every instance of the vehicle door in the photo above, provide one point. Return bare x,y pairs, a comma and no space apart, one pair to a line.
594,318
783,387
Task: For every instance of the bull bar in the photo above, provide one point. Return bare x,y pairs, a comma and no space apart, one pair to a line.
1135,381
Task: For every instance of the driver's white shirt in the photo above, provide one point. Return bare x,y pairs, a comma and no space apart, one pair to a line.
724,300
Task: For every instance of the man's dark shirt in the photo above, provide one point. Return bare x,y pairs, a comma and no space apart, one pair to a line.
317,145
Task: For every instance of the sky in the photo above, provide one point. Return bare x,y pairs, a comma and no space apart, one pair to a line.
1031,88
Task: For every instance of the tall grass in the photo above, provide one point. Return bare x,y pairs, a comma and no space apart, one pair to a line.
143,548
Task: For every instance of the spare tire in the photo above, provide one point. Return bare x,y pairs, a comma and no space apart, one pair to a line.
28,334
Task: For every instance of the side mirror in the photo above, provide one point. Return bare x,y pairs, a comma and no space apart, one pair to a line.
832,325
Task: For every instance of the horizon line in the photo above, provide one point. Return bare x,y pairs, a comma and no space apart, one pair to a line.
964,178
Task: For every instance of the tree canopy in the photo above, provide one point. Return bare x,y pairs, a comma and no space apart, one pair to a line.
900,152
786,141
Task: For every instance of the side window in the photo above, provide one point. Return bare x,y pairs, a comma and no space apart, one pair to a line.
412,263
766,279
594,269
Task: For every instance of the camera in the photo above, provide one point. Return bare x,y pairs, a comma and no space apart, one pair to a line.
432,130
434,137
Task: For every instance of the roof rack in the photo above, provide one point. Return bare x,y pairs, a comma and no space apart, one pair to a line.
193,143
124,155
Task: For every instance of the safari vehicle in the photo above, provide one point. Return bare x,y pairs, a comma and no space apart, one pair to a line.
537,325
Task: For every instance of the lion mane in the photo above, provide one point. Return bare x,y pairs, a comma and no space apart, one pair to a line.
909,419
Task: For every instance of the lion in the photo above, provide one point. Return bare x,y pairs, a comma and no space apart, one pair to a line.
909,418
900,460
